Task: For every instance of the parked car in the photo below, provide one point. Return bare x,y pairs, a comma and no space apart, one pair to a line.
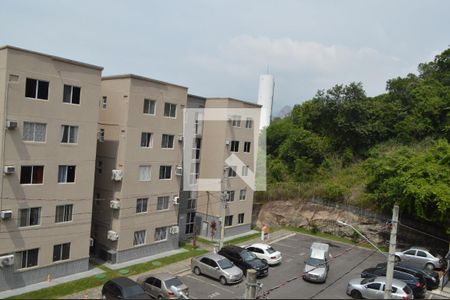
417,284
218,267
421,257
123,288
264,251
245,260
373,288
431,277
316,266
159,285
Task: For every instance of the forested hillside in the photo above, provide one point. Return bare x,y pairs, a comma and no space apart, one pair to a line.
372,151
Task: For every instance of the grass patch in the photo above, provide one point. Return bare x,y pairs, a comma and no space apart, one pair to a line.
242,239
205,241
80,285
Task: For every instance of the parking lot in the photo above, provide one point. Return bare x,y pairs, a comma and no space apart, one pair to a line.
347,263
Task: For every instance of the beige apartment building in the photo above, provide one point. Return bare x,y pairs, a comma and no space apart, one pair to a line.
226,127
138,168
49,113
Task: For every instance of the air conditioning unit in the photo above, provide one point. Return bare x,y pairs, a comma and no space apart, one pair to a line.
117,175
9,169
112,235
180,138
174,230
227,142
114,204
91,242
11,124
6,214
179,170
7,260
176,200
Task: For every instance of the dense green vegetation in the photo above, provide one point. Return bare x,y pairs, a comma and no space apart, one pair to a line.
372,151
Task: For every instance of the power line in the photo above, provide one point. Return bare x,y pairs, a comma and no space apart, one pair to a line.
419,231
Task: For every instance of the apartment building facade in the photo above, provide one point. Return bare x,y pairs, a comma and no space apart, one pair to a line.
49,113
226,127
138,168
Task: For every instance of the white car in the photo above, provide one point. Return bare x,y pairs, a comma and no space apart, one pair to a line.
266,252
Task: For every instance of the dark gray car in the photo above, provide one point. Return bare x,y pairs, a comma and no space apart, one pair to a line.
218,267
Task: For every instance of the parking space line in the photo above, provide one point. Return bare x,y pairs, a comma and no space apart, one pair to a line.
215,286
288,246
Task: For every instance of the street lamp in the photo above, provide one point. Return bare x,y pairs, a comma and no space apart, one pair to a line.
358,232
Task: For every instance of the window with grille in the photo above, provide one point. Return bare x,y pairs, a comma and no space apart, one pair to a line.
32,174
139,238
63,213
69,134
71,94
34,132
162,203
61,252
29,216
36,89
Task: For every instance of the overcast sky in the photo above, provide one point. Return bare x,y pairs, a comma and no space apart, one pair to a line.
219,48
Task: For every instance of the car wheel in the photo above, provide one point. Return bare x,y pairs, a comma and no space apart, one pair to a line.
356,294
397,259
103,296
223,280
429,266
197,271
160,297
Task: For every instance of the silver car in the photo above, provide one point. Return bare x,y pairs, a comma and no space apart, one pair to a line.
218,267
420,257
373,288
316,270
159,285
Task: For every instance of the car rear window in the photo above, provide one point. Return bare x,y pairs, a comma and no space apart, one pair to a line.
172,282
247,255
225,263
270,250
407,290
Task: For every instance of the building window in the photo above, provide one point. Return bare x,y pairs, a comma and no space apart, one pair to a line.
170,110
104,102
247,146
71,94
190,218
141,205
234,146
101,135
196,148
160,233
99,167
32,174
244,170
232,171
191,203
242,194
236,121
69,134
64,213
149,107
29,216
228,221
167,141
230,196
139,238
36,89
248,123
146,140
34,132
28,258
66,174
61,252
165,172
240,218
162,203
144,173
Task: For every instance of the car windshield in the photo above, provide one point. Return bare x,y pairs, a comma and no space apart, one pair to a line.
247,255
132,291
367,280
225,264
173,282
270,250
314,262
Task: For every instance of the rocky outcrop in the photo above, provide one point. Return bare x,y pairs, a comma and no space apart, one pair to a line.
319,217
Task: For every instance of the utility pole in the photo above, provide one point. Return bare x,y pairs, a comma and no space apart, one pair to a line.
223,198
250,286
391,256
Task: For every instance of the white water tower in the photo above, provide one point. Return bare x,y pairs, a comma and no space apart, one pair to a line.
265,98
